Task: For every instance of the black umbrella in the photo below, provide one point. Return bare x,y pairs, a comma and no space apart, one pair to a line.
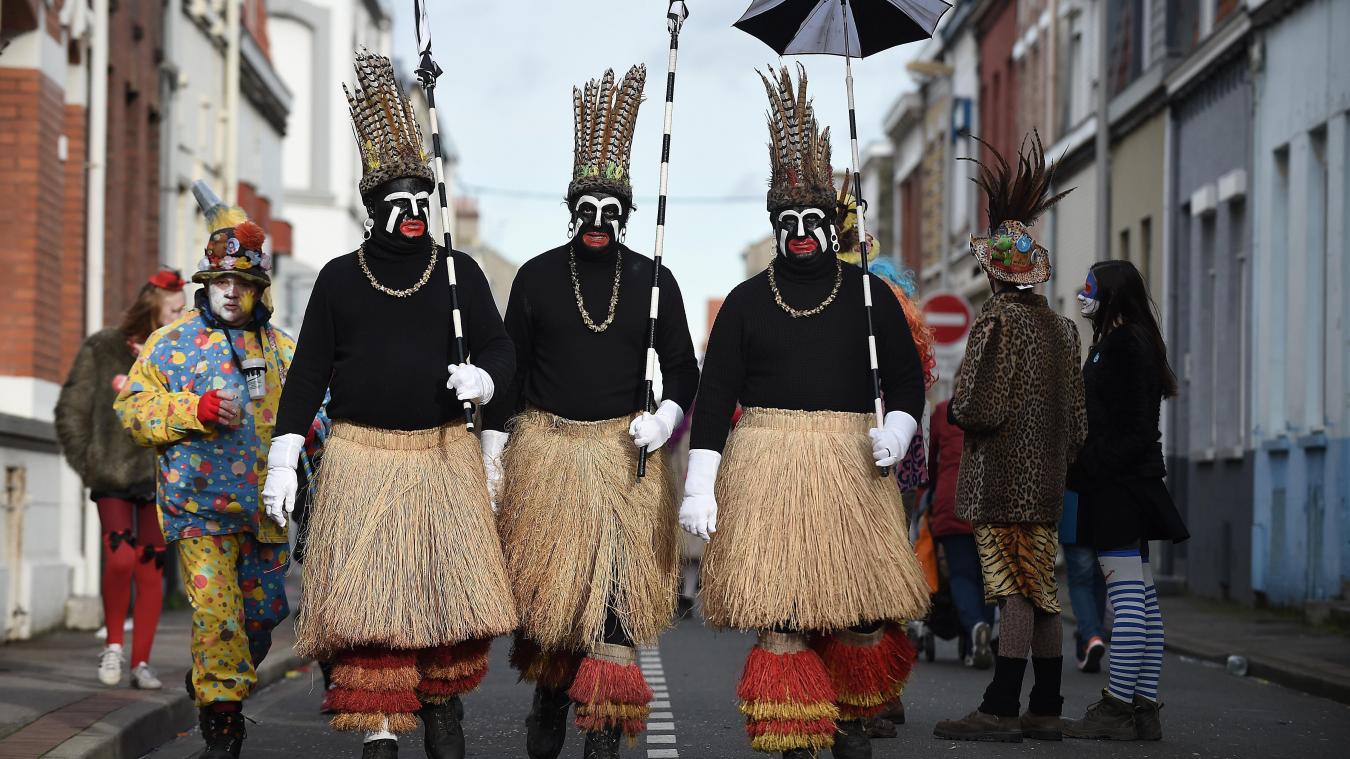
849,28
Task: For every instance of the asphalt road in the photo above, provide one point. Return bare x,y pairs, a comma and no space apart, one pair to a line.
1208,713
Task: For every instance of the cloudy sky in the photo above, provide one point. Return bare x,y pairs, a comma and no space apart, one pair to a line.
507,99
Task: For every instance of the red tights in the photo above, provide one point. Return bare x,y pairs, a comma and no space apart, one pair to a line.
127,557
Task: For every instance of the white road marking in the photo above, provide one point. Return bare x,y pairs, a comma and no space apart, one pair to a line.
661,724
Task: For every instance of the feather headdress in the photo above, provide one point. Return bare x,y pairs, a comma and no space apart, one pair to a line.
799,151
386,128
1016,200
604,117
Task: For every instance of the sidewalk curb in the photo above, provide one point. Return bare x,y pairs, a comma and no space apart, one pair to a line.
1298,678
139,727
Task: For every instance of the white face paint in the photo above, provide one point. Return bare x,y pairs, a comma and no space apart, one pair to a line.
413,205
591,212
1087,297
795,226
231,299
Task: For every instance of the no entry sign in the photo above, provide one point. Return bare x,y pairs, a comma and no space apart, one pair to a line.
949,316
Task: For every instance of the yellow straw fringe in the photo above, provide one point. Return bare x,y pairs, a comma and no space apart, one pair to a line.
383,680
808,535
402,548
455,671
614,711
773,743
370,722
761,711
583,535
870,699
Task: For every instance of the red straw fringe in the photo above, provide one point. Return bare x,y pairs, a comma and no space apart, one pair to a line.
867,678
434,688
554,670
798,678
601,690
459,653
382,679
375,658
788,701
358,701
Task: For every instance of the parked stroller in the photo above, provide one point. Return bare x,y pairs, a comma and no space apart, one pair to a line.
942,620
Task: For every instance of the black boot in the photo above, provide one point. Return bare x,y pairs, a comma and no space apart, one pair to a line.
851,741
223,732
1045,705
799,753
602,745
385,748
1004,694
443,736
546,727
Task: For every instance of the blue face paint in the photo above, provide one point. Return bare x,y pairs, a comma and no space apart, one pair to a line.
1090,287
1087,297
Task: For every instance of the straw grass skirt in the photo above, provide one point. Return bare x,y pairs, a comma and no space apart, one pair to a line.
808,537
402,550
583,535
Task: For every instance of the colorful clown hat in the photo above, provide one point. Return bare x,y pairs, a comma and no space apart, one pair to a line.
235,245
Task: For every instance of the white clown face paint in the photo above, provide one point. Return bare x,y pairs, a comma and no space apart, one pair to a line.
598,221
803,232
1087,298
231,299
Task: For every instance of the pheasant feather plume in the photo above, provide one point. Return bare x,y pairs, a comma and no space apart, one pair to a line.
385,124
604,121
799,151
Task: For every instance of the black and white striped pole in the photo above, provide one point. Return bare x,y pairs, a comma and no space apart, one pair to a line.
427,72
862,229
675,16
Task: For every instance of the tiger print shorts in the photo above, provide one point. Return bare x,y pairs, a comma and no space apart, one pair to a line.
1019,560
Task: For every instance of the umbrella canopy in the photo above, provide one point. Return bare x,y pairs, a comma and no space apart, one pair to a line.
804,27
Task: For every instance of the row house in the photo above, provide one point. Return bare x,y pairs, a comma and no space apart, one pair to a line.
1205,142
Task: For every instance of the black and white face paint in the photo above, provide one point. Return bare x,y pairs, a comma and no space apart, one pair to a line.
598,221
408,210
401,207
802,232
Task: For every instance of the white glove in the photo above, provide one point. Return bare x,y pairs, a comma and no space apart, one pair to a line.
470,383
892,441
279,491
653,430
493,443
698,512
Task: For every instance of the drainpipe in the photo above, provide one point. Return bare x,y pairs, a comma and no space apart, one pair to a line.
96,177
1103,147
18,625
230,168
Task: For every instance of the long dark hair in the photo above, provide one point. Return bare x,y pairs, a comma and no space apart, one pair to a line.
1124,302
142,317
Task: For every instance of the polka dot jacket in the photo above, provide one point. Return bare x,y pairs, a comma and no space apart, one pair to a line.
210,476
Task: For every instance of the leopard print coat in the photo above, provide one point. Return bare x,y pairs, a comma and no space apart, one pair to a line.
1019,399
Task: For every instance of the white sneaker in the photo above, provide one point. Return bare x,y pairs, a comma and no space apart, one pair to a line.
144,678
110,665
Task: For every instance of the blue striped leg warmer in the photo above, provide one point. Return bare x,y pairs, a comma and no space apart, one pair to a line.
1129,632
1151,668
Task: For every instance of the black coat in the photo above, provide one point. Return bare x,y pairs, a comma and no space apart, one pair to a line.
1119,471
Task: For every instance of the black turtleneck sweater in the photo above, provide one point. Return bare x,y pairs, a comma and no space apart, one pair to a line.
758,355
384,358
565,368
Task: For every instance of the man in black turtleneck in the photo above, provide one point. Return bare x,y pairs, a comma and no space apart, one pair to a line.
591,548
807,541
405,583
